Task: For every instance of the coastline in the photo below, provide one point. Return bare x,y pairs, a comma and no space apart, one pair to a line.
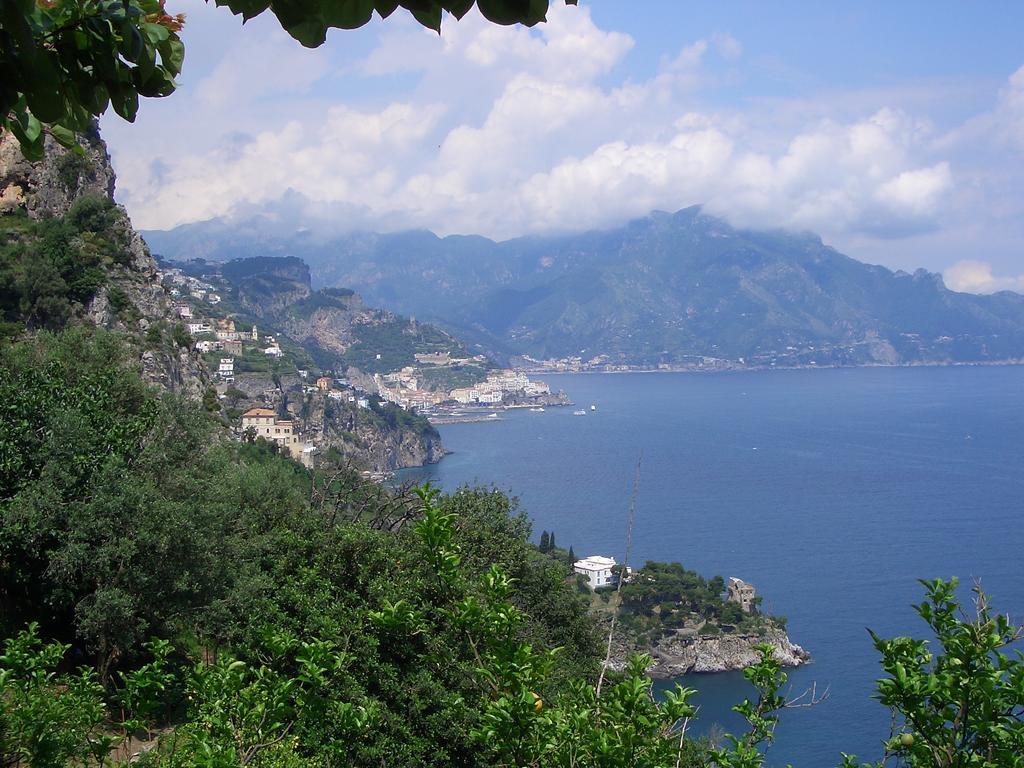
704,370
480,414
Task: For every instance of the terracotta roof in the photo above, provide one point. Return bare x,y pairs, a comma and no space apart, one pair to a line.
258,412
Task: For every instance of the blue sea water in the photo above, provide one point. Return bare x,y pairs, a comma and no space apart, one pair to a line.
832,491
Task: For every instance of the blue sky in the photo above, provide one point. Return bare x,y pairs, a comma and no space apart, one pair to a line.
894,130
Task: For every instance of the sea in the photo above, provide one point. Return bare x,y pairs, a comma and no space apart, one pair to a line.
833,491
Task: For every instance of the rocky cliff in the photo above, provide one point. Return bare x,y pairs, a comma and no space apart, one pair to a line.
49,187
127,296
378,438
69,255
685,652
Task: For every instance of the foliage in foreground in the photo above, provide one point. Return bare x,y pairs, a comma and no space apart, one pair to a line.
300,622
960,708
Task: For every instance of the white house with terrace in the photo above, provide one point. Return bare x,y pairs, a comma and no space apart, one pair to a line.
597,569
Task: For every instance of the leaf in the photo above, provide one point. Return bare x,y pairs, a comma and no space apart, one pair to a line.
155,33
528,12
43,94
247,9
125,100
31,145
430,19
459,8
347,14
172,55
66,138
303,20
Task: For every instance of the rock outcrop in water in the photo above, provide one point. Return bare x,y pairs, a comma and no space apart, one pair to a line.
685,652
678,655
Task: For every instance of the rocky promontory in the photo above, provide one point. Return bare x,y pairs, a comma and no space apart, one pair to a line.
687,623
685,651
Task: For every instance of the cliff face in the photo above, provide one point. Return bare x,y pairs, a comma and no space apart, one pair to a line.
391,449
130,298
365,437
331,327
682,653
49,187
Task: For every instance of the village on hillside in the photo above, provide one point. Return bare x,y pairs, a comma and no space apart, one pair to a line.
272,387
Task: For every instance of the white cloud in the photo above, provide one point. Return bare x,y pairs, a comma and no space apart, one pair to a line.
971,276
504,131
917,192
266,63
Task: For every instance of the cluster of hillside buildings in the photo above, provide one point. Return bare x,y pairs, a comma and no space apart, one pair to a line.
599,571
403,389
186,285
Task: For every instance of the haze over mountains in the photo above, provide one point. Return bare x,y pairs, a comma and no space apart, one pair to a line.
680,289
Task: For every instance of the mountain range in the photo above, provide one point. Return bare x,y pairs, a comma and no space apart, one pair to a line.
682,288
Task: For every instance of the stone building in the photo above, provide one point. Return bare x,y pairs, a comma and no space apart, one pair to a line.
265,424
740,592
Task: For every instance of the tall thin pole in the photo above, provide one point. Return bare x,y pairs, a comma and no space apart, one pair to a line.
625,562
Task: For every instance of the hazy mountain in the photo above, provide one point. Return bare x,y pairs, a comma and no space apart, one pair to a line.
665,288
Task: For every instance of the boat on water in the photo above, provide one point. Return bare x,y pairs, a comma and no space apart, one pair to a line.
593,407
536,410
580,412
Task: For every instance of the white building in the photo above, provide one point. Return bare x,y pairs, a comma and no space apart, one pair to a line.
537,388
307,457
274,351
362,402
197,328
597,569
227,368
464,395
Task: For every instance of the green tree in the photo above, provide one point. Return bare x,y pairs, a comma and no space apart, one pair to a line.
63,63
959,705
48,719
50,269
545,541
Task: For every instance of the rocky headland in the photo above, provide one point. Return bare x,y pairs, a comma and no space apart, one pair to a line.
686,651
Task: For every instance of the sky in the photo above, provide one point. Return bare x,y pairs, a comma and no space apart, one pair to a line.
893,130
